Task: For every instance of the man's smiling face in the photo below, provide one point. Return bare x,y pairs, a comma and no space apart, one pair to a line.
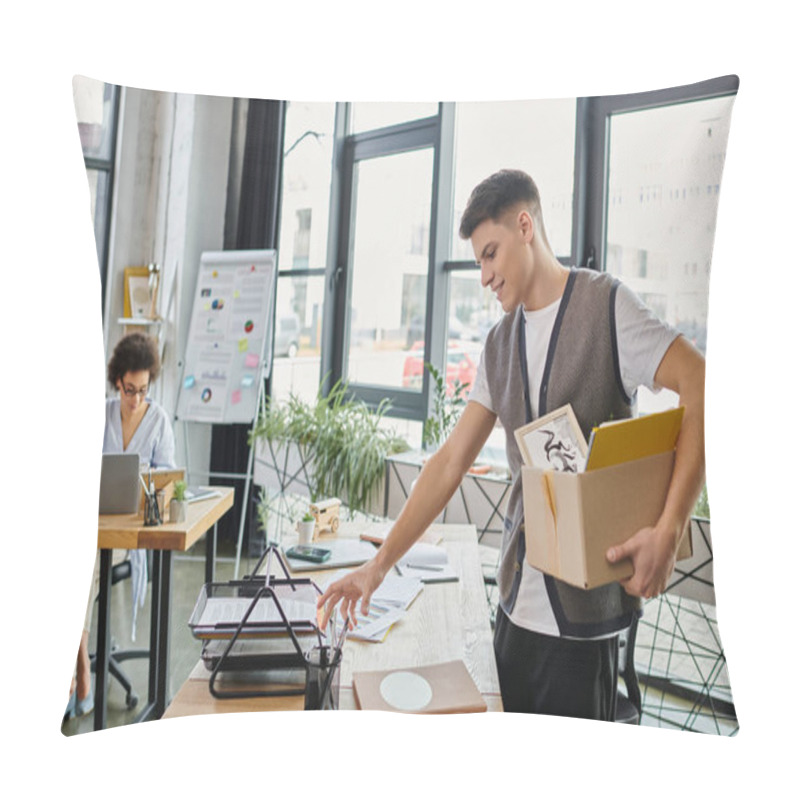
506,260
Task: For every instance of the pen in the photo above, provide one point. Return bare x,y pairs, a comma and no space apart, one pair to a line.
425,566
342,636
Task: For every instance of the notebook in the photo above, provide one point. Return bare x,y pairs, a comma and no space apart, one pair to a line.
445,688
119,483
196,493
344,553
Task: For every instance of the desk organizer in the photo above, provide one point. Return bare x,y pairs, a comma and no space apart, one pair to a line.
264,623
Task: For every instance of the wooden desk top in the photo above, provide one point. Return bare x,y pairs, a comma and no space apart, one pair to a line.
447,621
127,531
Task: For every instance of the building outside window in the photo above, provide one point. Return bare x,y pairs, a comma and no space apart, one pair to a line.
302,249
403,288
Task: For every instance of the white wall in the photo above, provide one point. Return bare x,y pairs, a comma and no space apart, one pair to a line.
169,206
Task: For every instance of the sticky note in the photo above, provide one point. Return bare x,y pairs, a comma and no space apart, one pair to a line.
242,345
236,397
247,381
251,360
188,382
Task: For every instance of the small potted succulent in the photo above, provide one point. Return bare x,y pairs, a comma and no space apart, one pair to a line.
305,528
177,505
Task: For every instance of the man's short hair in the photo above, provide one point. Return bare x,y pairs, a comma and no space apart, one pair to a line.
496,195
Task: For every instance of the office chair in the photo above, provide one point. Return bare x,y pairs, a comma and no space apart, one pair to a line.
121,572
629,703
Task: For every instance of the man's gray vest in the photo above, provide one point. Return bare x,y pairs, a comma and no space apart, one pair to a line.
581,368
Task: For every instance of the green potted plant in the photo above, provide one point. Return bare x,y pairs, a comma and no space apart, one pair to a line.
178,503
341,444
446,410
305,528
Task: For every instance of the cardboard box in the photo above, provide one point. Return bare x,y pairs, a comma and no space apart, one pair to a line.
571,519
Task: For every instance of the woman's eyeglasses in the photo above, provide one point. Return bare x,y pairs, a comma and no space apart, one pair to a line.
131,391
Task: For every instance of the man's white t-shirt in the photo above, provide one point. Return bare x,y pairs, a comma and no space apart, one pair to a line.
642,341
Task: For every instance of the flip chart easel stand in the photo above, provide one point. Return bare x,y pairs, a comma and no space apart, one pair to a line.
247,476
229,346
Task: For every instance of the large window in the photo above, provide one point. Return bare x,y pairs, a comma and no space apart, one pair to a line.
96,105
662,205
535,136
379,251
302,249
389,267
665,153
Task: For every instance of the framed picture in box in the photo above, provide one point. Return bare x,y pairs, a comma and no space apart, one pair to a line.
554,441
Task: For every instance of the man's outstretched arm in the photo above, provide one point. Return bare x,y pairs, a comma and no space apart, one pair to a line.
439,479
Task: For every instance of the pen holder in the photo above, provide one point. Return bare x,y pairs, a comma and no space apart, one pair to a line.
152,513
322,681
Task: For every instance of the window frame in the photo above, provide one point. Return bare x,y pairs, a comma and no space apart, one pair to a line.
589,215
595,135
435,133
107,166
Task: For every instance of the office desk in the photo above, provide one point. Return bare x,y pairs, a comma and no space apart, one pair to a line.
447,621
127,531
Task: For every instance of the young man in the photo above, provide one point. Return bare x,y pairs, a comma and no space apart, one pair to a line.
568,336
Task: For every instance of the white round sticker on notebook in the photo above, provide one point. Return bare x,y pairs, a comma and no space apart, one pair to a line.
406,691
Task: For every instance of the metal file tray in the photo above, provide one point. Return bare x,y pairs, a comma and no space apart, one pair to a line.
261,625
258,654
253,609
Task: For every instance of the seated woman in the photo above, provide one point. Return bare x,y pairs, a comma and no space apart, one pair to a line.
134,424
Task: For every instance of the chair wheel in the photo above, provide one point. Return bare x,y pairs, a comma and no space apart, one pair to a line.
131,700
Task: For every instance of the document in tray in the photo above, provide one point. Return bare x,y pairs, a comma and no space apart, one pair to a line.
427,562
229,611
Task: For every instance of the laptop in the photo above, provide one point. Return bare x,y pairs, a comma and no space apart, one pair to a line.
120,488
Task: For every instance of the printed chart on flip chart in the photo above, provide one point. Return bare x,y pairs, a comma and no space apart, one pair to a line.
230,337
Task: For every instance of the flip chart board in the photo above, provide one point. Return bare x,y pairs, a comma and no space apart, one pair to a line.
230,336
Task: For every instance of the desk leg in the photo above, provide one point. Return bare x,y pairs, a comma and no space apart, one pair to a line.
211,553
155,619
103,639
162,660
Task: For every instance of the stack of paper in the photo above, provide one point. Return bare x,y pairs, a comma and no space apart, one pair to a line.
428,562
223,614
375,624
377,532
397,591
387,605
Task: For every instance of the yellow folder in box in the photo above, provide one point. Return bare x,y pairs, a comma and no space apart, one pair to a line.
630,439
